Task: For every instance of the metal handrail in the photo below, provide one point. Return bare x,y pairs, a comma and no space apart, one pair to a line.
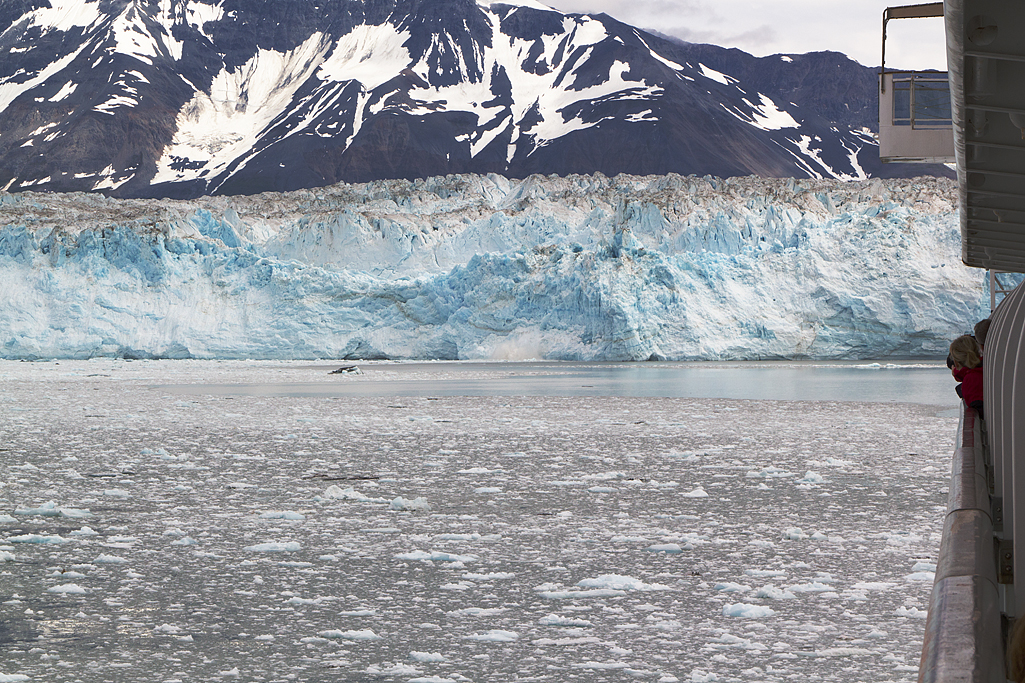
963,639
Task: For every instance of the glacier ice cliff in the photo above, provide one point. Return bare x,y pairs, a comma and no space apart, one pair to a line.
483,267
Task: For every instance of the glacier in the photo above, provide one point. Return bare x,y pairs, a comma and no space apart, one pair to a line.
583,267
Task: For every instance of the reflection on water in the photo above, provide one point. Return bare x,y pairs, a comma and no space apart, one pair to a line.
924,382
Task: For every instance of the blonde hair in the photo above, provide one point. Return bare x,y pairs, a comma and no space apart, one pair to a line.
964,351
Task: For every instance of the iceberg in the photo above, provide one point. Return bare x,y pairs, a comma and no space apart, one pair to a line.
484,267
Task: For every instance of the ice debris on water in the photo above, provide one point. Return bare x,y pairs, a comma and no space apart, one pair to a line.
37,538
67,588
292,516
743,609
51,509
418,503
361,634
273,547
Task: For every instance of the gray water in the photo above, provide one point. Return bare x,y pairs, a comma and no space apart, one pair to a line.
927,383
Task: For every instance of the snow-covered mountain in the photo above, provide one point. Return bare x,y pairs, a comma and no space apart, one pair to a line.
468,266
181,98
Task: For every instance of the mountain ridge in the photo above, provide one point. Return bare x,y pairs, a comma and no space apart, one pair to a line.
179,98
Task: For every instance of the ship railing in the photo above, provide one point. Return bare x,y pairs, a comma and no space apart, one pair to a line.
963,633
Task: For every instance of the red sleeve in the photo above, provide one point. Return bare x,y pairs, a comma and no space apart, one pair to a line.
971,388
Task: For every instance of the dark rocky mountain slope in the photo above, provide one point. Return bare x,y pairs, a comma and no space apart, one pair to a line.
180,98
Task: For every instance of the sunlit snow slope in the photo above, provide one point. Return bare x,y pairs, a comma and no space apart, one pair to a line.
584,267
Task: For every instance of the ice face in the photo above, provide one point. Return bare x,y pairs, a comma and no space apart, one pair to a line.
544,579
482,267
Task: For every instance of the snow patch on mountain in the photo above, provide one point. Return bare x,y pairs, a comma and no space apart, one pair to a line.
369,54
217,128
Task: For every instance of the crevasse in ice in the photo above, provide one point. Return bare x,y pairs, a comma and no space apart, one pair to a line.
484,267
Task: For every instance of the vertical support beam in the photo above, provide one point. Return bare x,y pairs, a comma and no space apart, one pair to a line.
992,291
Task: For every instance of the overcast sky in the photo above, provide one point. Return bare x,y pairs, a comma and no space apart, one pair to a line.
765,27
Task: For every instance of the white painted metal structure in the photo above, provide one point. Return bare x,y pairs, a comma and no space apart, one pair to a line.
914,106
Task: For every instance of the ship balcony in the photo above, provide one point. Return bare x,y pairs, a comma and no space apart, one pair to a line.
914,117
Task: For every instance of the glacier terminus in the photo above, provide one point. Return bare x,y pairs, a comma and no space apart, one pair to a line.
583,267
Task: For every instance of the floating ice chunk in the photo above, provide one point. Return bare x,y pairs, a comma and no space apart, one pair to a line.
558,620
50,509
600,665
669,548
742,609
84,531
363,634
818,536
395,670
457,537
810,587
570,594
431,679
491,576
771,592
168,628
794,534
230,673
117,493
418,503
435,556
477,611
281,514
37,538
696,493
273,547
731,587
911,612
187,540
699,676
620,582
349,493
602,489
811,478
67,588
765,573
7,519
488,489
427,656
6,556
495,636
769,473
924,567
11,678
110,559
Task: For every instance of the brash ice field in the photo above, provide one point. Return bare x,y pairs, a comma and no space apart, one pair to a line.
149,534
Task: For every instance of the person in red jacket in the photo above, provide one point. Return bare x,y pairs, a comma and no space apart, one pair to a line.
967,369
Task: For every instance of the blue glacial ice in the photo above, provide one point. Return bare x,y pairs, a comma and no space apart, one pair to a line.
483,267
